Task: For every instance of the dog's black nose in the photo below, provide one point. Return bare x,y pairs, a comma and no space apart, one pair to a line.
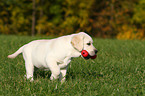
96,51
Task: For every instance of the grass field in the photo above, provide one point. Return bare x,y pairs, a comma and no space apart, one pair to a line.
119,70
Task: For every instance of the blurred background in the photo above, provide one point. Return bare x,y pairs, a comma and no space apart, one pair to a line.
121,19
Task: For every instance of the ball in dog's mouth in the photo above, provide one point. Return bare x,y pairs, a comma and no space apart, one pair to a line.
86,55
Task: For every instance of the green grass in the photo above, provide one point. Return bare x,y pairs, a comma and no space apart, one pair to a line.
119,70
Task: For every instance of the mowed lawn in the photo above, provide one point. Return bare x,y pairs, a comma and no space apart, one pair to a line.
119,70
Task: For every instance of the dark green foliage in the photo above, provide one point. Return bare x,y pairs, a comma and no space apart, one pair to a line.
102,18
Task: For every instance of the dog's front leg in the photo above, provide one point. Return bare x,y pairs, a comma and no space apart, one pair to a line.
54,68
64,64
63,75
64,70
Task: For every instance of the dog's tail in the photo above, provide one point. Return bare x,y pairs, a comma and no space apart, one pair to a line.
16,53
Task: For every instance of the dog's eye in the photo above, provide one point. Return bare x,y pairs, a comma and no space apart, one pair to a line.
88,44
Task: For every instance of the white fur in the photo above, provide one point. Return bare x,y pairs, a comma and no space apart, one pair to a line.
54,54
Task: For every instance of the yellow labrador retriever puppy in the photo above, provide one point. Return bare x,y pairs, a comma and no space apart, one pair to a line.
55,54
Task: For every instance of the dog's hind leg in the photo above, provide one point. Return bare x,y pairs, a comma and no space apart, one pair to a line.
29,66
29,70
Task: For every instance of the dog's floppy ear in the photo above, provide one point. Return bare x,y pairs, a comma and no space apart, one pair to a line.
78,42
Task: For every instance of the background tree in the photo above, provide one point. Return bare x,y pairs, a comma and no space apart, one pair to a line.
33,18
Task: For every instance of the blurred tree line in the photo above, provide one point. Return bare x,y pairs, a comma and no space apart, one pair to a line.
124,19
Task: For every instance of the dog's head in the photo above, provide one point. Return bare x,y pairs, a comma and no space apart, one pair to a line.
83,41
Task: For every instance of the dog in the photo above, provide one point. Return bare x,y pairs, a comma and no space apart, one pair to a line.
55,54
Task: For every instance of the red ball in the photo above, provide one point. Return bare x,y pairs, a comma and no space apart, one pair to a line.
84,53
93,57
